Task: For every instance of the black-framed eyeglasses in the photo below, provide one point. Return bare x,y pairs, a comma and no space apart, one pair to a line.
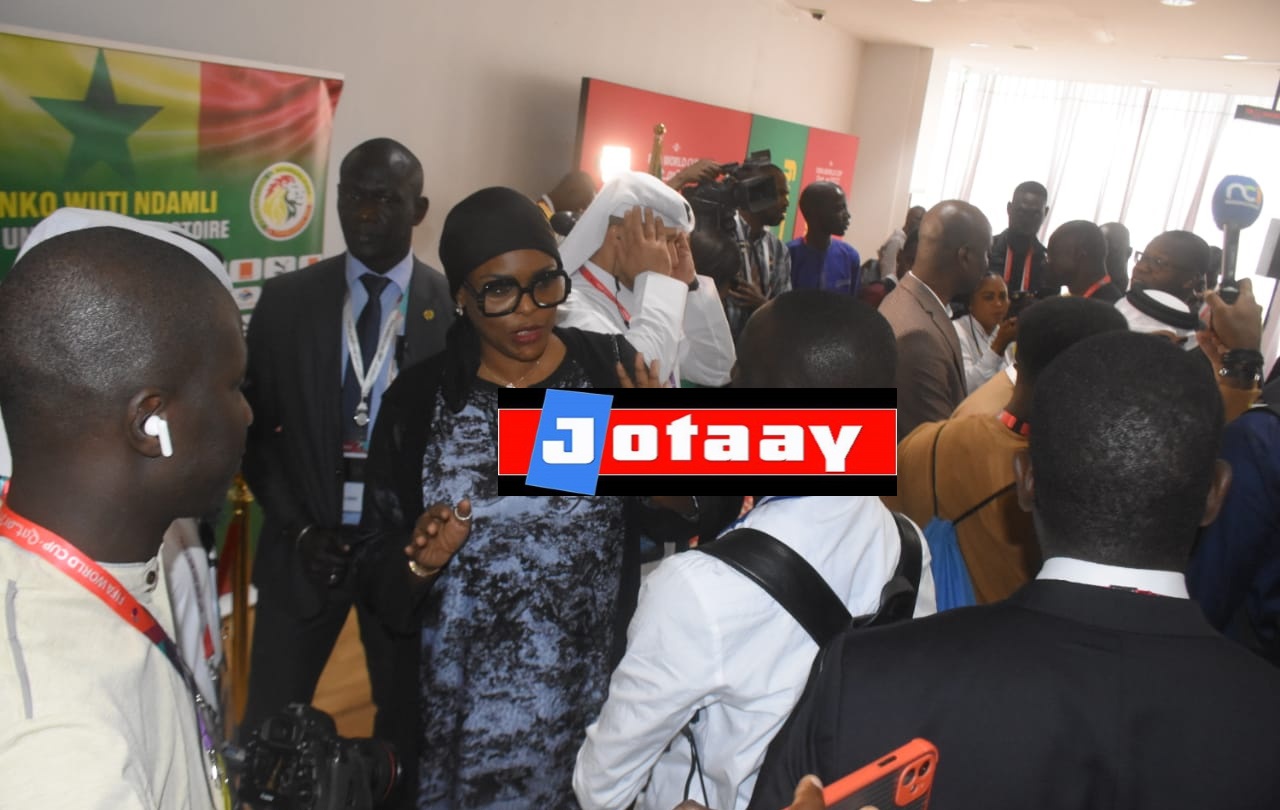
502,296
1156,261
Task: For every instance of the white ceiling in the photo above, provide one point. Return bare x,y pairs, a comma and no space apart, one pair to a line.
1114,41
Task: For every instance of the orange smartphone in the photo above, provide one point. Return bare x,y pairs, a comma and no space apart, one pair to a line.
901,779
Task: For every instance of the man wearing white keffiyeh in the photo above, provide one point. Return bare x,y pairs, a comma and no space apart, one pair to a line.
633,274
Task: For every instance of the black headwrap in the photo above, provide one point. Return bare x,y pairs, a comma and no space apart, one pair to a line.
489,223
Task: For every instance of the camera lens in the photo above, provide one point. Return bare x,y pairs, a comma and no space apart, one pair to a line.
383,766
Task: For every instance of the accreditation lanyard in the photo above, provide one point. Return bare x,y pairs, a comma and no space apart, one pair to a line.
207,647
1026,268
613,299
748,254
366,378
1097,285
99,582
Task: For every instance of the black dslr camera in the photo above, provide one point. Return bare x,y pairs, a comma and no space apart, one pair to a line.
297,761
715,202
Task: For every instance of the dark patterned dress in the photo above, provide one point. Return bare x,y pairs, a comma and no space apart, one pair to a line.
519,625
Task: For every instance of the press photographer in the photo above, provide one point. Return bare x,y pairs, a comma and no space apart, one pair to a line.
742,203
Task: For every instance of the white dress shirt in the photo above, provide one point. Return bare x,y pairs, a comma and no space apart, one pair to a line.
704,637
980,361
392,297
685,331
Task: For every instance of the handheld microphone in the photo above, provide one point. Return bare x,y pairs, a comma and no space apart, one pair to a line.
1237,202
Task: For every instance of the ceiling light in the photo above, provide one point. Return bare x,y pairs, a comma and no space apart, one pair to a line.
1149,81
1024,47
922,1
1234,57
979,45
1178,3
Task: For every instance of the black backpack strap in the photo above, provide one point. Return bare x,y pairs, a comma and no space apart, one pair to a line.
933,470
787,577
934,477
898,597
984,502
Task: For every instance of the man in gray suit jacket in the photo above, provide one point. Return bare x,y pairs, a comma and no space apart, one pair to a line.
324,343
954,240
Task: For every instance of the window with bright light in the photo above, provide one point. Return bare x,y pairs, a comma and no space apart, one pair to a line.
1147,157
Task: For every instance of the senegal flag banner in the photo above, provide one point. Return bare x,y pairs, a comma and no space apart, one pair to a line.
235,155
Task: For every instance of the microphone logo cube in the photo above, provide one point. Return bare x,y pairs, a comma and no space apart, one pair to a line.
1237,202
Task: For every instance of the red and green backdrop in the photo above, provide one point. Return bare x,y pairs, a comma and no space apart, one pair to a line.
616,115
236,155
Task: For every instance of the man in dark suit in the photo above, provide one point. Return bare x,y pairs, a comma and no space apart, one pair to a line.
1100,684
951,259
1016,254
1077,259
323,345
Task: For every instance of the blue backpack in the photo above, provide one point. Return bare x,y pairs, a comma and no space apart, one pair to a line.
951,581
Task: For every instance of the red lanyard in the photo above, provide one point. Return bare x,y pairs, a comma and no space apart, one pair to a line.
595,282
1097,285
1015,424
1026,268
89,575
96,580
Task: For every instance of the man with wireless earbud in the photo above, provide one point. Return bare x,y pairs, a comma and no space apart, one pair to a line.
324,343
121,395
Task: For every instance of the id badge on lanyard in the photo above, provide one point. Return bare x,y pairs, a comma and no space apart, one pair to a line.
355,449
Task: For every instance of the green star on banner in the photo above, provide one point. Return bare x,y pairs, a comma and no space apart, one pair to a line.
99,124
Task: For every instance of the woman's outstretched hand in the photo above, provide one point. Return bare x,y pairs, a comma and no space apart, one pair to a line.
437,536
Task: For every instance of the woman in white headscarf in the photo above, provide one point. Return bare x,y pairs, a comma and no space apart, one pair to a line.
633,275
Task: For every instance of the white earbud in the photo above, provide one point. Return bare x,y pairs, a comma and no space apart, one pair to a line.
158,427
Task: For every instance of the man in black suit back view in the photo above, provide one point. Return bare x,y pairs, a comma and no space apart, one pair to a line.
1100,684
324,343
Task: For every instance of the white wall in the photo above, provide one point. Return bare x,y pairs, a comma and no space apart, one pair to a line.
485,92
890,97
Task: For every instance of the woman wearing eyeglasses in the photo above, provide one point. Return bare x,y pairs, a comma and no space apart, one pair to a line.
516,595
